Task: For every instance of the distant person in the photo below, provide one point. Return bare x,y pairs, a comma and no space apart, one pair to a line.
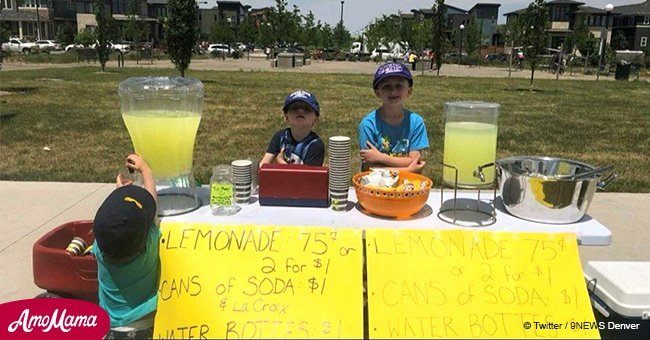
126,249
392,136
520,60
297,144
413,59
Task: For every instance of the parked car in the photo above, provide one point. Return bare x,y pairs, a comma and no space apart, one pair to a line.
47,45
123,47
73,46
453,56
219,50
17,45
498,57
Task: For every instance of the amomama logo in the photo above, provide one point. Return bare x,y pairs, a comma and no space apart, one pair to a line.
51,318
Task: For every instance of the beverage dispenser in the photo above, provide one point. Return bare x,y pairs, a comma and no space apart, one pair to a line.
162,115
470,142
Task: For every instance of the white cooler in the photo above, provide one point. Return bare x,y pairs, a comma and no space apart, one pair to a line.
620,296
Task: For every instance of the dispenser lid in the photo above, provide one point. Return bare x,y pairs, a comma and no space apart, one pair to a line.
473,105
161,86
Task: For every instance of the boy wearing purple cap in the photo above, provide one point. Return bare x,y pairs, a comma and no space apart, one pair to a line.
126,249
297,144
392,136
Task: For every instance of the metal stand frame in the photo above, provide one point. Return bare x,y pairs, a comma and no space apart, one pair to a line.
492,216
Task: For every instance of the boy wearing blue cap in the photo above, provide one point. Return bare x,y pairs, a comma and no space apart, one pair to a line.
297,144
126,249
392,136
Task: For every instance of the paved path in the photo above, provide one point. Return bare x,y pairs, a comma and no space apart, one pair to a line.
258,63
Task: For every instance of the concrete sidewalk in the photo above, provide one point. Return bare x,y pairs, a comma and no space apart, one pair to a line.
28,210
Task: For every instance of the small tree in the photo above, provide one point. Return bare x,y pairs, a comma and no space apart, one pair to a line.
103,32
222,32
473,38
619,41
535,22
439,40
135,29
181,28
65,34
4,36
85,38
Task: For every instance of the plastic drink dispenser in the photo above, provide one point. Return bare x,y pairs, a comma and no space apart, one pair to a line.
162,115
470,141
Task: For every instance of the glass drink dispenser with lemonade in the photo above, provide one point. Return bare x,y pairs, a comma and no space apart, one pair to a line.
162,115
470,142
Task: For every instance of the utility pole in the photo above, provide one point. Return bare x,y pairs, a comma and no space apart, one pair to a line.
603,39
341,28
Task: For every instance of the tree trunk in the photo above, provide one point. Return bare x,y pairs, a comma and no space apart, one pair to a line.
532,76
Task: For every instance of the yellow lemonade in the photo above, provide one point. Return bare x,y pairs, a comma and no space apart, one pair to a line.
164,139
469,145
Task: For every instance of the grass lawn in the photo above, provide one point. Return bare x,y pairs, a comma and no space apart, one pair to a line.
75,112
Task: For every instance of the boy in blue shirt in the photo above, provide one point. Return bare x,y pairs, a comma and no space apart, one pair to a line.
297,144
126,248
392,136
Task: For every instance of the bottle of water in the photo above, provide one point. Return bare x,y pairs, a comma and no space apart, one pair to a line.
222,192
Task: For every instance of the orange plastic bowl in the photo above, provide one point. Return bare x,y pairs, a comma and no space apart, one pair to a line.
391,203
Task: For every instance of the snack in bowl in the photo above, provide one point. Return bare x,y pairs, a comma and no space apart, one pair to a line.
406,195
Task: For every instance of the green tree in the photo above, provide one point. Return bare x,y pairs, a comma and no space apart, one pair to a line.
421,35
135,29
181,32
473,38
223,32
85,38
103,32
65,33
535,22
265,34
342,36
310,31
619,41
439,37
4,36
247,30
582,40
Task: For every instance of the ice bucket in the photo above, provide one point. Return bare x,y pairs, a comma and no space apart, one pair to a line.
162,115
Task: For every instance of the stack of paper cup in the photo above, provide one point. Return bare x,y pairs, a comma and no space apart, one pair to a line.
242,177
339,171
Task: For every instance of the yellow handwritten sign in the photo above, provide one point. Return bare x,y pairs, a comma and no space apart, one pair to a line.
465,284
238,282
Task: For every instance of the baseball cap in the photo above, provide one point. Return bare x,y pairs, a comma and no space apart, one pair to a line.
391,70
122,220
303,96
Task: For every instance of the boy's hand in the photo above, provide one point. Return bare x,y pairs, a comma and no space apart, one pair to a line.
416,165
135,162
280,157
371,155
121,181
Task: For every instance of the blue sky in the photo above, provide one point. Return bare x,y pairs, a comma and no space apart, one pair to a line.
358,13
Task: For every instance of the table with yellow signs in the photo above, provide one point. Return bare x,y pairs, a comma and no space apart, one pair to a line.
350,275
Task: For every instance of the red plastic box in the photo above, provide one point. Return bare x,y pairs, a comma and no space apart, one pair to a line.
61,273
294,185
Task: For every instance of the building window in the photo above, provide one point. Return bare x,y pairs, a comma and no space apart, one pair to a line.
646,20
561,13
199,16
71,6
215,17
644,41
6,4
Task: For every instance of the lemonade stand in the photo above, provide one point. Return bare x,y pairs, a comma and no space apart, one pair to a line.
162,115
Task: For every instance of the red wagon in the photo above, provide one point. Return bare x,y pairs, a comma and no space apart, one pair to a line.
60,273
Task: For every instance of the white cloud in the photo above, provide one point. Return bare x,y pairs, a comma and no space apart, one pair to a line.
358,13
